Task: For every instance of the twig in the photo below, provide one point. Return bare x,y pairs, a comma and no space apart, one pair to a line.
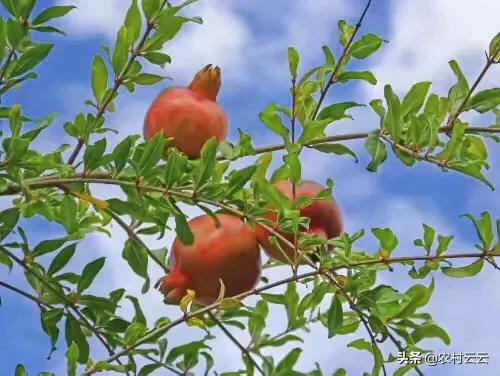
489,62
21,292
69,304
118,83
233,339
336,70
132,235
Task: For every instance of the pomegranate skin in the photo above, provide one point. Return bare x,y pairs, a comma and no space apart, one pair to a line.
229,252
190,116
325,218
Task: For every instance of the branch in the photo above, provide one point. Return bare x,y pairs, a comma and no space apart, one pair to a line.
118,83
23,293
490,60
165,328
132,235
69,304
233,339
347,47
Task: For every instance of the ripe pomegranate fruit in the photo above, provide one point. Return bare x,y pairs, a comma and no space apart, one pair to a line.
190,116
325,218
229,252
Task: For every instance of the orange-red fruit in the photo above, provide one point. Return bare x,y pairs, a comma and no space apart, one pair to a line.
190,115
325,218
229,252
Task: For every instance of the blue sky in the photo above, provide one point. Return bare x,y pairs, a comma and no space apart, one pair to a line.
248,39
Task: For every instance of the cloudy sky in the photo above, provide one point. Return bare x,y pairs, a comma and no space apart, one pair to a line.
249,40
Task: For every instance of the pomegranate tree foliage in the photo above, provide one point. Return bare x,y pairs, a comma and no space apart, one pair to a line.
342,293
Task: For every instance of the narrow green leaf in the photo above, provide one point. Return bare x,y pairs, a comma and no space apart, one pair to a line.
89,273
30,59
377,150
120,54
61,259
51,13
99,78
72,357
365,46
393,119
335,316
414,100
133,22
293,61
364,75
465,271
430,331
337,149
137,258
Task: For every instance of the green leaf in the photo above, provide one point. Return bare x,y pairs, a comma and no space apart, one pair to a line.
89,273
337,149
364,75
465,271
346,32
152,154
51,13
148,369
430,331
122,153
485,100
137,258
75,335
72,356
61,259
494,48
93,154
122,47
473,169
11,6
15,121
8,220
176,166
139,315
429,234
30,59
271,118
388,241
257,321
365,46
459,91
393,119
134,332
99,78
312,130
337,111
68,214
293,61
5,260
49,321
207,162
15,32
183,230
329,57
414,100
335,316
148,79
47,246
239,178
150,8
377,150
133,22
20,370
158,58
288,362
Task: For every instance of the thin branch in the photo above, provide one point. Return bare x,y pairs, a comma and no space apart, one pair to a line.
118,83
132,235
21,292
336,70
69,304
490,60
233,339
165,328
361,316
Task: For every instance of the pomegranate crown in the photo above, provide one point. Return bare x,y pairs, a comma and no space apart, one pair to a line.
207,82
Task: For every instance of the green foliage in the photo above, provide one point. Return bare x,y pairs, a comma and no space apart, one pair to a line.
339,292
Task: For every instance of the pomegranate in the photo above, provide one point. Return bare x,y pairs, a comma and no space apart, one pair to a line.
325,218
228,252
189,116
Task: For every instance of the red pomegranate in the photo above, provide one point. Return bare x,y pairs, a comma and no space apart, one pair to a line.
325,218
229,252
190,116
